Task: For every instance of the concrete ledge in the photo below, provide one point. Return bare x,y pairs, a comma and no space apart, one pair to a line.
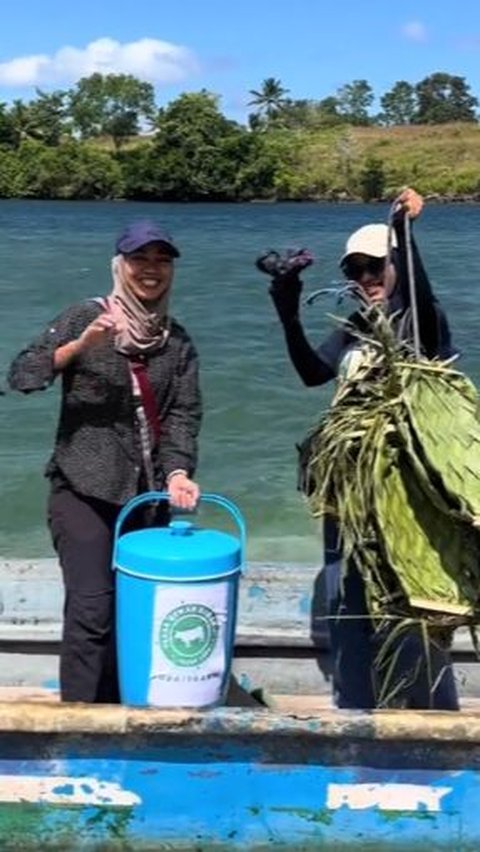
281,605
408,726
275,606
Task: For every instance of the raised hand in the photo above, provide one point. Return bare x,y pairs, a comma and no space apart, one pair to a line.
287,265
96,332
409,202
286,285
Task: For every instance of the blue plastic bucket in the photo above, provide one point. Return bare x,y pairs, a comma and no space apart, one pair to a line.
176,608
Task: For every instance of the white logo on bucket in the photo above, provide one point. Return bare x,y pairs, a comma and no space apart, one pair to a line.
188,645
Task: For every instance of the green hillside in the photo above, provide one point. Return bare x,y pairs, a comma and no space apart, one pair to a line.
373,162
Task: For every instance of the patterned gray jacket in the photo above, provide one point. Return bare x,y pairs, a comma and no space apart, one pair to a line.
97,448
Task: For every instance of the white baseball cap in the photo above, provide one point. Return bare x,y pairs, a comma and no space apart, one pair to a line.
371,240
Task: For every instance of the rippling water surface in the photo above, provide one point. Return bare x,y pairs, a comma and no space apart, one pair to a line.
54,253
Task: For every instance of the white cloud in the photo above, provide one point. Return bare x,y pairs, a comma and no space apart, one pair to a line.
415,31
149,58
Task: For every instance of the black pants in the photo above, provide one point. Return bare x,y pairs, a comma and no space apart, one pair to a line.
419,677
82,531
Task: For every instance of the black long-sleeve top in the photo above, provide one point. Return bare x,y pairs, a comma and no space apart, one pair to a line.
97,447
320,365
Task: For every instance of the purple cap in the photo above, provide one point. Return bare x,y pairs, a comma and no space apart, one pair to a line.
138,234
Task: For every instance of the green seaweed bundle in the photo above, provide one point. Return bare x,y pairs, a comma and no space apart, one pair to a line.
396,460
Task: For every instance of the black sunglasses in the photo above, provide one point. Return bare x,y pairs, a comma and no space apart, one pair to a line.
355,268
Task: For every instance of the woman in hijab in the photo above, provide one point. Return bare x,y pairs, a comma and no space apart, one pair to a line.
129,419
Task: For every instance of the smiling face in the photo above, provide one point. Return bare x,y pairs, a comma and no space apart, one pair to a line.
375,277
149,271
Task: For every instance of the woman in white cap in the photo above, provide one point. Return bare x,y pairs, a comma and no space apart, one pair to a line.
364,262
129,418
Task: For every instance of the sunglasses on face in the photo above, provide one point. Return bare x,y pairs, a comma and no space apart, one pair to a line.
355,268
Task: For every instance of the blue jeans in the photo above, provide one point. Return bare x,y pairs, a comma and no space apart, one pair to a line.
420,678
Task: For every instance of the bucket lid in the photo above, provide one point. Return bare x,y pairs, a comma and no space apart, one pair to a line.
177,553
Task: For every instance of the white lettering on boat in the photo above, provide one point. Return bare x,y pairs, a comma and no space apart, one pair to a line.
386,797
64,790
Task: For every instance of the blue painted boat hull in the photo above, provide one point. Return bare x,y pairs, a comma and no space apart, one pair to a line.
298,777
113,778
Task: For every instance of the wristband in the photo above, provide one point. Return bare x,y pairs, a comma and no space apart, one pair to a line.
176,473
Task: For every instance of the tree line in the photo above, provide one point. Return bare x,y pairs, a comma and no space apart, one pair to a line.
106,138
440,98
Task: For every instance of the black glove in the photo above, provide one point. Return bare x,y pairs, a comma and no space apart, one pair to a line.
286,266
286,286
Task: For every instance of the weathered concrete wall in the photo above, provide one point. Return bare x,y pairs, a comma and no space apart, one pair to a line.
282,636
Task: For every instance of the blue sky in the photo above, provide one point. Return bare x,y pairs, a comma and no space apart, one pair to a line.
313,47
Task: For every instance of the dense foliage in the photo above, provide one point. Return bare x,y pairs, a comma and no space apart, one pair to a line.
106,138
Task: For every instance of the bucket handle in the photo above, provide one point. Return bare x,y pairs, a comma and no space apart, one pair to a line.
154,496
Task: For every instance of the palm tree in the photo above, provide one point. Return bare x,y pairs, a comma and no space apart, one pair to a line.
23,122
271,97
